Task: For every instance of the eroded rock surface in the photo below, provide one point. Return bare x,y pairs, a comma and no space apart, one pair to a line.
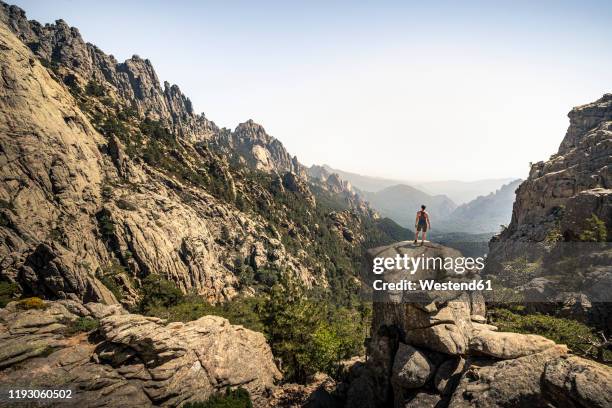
131,360
437,351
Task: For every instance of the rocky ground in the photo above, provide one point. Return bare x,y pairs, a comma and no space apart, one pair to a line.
129,360
441,352
107,177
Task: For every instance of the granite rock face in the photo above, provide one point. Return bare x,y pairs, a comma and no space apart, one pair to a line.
131,360
553,217
436,350
78,204
576,177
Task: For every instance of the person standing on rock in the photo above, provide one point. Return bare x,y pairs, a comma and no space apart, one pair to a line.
421,224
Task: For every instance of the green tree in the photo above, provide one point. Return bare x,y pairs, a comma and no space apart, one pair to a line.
595,230
238,398
158,291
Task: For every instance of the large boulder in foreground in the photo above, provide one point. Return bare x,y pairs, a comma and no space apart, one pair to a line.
130,360
436,350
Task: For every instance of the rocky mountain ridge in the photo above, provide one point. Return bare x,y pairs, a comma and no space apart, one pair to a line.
108,177
483,214
573,184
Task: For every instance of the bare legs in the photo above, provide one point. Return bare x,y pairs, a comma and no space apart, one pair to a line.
423,236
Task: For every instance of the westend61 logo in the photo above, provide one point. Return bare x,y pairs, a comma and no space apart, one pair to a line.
407,266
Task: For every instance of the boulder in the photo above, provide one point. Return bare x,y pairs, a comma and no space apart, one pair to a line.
506,345
448,375
571,380
507,383
411,368
131,360
422,400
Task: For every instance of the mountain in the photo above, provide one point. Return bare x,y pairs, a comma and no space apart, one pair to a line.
401,202
484,214
459,191
365,183
565,190
556,251
463,191
129,225
108,177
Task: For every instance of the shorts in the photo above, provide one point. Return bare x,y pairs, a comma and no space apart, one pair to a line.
421,227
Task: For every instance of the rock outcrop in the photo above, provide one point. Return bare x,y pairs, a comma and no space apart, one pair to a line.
130,360
435,350
556,210
577,179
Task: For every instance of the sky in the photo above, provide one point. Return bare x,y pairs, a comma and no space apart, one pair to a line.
416,91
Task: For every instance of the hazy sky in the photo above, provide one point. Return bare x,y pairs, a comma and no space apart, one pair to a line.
451,90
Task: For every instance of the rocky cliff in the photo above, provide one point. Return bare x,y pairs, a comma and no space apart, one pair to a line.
556,250
109,177
439,351
573,184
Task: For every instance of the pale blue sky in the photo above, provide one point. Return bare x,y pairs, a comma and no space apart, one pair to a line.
451,90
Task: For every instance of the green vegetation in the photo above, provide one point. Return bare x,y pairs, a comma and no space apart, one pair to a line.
73,86
94,89
577,336
554,235
518,272
238,398
109,277
595,230
82,325
309,334
8,292
305,330
32,303
159,293
106,225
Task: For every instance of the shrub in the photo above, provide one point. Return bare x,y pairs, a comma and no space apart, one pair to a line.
106,225
108,277
94,89
595,230
71,82
267,276
577,336
554,235
310,335
8,292
159,292
238,398
32,303
82,325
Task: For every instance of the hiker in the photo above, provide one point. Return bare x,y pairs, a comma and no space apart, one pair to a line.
421,224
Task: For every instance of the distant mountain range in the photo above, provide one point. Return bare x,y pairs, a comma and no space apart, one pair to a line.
485,204
459,192
485,214
401,202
